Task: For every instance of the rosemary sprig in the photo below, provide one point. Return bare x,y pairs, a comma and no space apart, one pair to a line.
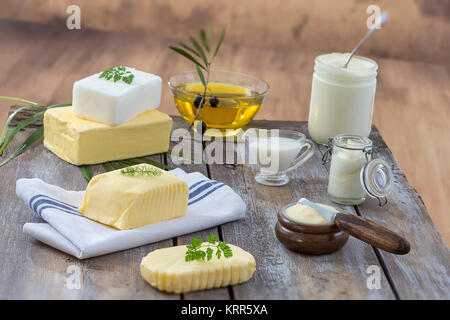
8,122
5,139
195,252
202,49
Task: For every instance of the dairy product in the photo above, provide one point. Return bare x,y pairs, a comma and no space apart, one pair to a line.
114,103
274,154
167,270
344,184
341,98
128,202
81,141
344,181
305,214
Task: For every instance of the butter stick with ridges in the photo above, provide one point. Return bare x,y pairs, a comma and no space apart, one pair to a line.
167,270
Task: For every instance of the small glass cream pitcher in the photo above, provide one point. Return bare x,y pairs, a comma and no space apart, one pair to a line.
275,152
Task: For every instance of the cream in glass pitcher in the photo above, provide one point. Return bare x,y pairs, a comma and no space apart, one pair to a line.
341,98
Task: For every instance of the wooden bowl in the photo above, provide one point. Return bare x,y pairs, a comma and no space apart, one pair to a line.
308,238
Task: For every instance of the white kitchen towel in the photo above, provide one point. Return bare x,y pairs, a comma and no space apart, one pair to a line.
211,203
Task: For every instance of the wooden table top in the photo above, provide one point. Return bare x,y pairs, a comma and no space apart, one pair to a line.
31,269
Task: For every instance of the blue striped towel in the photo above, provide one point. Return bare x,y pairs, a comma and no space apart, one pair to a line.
211,203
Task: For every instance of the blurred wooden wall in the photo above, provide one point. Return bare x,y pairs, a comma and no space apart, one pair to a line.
416,29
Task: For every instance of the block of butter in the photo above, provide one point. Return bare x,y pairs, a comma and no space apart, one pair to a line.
131,201
81,141
167,270
113,103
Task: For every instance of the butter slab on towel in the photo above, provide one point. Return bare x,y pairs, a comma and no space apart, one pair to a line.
210,203
127,202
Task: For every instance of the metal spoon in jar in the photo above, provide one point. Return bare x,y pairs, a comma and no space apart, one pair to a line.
384,16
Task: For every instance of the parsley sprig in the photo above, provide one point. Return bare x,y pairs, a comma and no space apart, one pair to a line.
195,249
141,171
118,73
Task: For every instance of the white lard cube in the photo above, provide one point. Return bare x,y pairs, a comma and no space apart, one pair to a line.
113,103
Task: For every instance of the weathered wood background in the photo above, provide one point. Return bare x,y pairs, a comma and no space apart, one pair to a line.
274,40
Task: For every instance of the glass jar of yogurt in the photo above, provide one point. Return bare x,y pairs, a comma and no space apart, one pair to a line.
341,98
352,172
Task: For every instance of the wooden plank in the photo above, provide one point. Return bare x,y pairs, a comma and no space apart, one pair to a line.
40,272
219,293
425,272
282,274
33,270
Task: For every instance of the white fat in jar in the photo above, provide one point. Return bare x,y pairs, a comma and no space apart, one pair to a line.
341,98
349,155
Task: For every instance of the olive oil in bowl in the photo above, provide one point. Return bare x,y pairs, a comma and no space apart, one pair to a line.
228,106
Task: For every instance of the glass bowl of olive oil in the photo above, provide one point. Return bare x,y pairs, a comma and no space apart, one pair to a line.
231,101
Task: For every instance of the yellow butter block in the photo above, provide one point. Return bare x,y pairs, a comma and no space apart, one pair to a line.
167,270
81,141
128,202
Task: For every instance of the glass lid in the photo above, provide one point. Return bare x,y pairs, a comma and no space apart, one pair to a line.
376,178
350,141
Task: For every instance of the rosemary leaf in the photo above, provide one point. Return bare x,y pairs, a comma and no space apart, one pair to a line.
204,39
8,121
156,164
107,166
117,165
200,75
135,161
189,49
127,163
130,162
210,34
20,100
20,126
86,170
219,42
36,135
187,55
59,105
200,50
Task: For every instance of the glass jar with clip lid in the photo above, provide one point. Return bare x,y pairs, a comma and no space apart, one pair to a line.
353,173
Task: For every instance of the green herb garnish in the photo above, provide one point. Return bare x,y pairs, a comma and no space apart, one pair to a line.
118,73
141,171
195,249
202,49
6,138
